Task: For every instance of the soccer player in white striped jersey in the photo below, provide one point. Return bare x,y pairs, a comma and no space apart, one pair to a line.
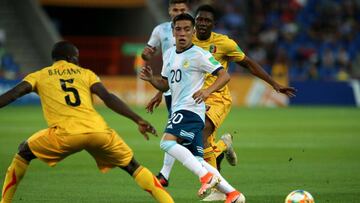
183,72
162,38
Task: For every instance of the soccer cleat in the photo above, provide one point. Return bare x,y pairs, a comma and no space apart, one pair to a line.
215,195
163,181
230,153
235,197
208,182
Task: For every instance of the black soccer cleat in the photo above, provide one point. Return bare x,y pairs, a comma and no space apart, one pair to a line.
163,181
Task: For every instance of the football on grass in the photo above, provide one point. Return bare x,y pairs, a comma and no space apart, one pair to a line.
299,196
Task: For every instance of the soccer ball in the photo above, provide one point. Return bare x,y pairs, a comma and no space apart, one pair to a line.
299,196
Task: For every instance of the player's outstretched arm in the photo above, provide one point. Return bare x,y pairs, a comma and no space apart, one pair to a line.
146,74
259,72
117,105
222,79
18,91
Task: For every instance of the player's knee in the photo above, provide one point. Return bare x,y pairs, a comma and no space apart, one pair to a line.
131,167
25,152
167,144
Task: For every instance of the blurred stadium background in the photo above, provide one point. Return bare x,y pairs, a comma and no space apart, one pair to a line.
313,45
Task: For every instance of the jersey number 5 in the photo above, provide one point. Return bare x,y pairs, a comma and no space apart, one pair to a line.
72,90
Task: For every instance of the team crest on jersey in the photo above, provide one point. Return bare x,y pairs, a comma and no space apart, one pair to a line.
186,64
212,48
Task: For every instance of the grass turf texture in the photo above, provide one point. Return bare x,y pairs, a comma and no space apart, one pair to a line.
316,149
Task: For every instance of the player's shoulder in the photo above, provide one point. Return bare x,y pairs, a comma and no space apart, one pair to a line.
200,51
222,38
169,50
166,55
163,26
219,36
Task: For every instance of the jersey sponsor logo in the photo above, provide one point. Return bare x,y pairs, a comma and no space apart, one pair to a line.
68,71
212,49
213,61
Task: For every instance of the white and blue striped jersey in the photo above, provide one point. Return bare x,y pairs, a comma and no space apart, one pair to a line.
162,36
185,73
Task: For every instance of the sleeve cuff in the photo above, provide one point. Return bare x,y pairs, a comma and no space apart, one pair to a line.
217,70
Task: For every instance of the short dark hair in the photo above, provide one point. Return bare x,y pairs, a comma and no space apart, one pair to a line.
179,2
184,16
206,8
63,50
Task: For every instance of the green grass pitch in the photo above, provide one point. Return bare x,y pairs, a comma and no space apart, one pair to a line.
280,149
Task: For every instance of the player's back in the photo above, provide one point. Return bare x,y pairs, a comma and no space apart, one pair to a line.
64,90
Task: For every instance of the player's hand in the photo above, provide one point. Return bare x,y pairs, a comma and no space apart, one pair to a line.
154,102
288,91
145,127
207,107
148,52
200,96
146,73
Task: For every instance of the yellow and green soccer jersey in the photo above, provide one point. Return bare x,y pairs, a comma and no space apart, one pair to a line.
224,50
64,90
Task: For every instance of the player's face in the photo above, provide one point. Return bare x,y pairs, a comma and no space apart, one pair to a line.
75,57
177,9
183,31
204,23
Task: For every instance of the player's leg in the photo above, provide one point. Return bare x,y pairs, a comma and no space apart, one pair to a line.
169,144
232,195
209,153
147,181
219,109
109,150
16,172
225,147
165,171
169,161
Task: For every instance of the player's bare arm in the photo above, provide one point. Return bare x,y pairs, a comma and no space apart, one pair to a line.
161,84
117,105
259,72
223,78
18,91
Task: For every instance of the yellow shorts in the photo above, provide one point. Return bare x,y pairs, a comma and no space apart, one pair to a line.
219,108
108,149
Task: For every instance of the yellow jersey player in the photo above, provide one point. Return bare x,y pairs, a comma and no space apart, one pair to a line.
65,91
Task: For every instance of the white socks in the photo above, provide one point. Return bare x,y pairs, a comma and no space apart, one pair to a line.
167,165
183,155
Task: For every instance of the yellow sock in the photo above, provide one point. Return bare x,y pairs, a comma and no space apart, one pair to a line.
147,181
220,148
13,177
209,156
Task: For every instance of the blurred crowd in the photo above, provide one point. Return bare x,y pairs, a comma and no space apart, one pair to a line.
299,39
9,69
